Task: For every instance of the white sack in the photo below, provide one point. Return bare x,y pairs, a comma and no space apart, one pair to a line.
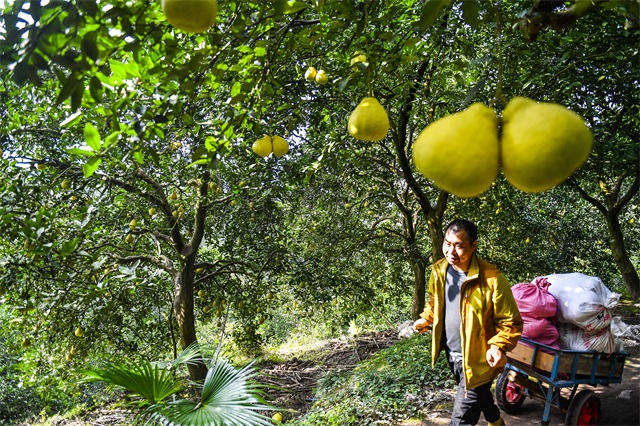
583,300
579,339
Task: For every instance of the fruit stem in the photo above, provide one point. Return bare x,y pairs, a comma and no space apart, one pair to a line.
366,41
498,94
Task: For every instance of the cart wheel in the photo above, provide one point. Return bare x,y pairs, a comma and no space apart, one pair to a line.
584,409
509,395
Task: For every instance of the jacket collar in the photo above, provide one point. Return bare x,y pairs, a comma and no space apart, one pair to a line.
474,268
472,273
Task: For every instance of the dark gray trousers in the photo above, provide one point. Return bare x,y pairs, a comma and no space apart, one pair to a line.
469,403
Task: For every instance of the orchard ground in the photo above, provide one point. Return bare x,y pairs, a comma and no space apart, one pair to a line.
298,375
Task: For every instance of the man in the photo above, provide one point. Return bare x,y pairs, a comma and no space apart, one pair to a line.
474,317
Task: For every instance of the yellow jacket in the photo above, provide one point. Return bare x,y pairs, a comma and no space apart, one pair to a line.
488,313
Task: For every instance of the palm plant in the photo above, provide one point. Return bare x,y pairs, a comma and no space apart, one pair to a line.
229,396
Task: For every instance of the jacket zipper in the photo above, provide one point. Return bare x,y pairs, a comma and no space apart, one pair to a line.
464,302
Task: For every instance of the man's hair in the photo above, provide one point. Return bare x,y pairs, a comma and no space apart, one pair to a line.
463,225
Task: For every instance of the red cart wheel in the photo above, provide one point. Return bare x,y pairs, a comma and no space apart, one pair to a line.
509,395
584,409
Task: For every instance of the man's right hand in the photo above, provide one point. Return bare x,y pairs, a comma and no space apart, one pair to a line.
421,325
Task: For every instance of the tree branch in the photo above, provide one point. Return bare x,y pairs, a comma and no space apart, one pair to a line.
161,262
587,197
543,14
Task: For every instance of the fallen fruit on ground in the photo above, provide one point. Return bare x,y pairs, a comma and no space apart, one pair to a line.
263,146
322,77
277,417
194,16
280,146
369,121
460,152
542,144
310,74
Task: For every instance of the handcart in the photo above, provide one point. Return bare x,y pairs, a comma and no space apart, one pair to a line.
542,372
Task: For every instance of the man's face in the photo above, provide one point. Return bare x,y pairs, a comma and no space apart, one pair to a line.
458,249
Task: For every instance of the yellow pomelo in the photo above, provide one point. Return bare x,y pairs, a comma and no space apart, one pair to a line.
542,144
280,146
262,146
357,58
322,77
369,121
194,16
460,152
310,74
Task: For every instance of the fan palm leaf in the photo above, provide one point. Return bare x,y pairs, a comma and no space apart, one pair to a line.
229,398
151,382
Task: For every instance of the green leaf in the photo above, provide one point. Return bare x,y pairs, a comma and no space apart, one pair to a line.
236,89
471,13
68,247
76,96
80,151
68,88
288,7
72,119
95,88
137,155
91,166
113,137
89,46
344,82
430,12
92,137
475,89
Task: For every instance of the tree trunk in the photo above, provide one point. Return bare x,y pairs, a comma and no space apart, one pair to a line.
419,287
420,264
183,307
436,233
621,257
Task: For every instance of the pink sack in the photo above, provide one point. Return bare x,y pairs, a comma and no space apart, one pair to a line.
534,300
541,330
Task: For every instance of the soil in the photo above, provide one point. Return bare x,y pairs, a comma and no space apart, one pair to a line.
295,379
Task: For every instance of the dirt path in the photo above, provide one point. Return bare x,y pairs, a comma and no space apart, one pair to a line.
619,402
296,378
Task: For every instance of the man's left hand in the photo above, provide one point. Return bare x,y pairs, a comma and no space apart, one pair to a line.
495,357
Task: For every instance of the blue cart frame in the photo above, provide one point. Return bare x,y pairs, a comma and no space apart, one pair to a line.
539,371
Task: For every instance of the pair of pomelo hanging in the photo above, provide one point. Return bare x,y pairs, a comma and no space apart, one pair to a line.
268,144
541,145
